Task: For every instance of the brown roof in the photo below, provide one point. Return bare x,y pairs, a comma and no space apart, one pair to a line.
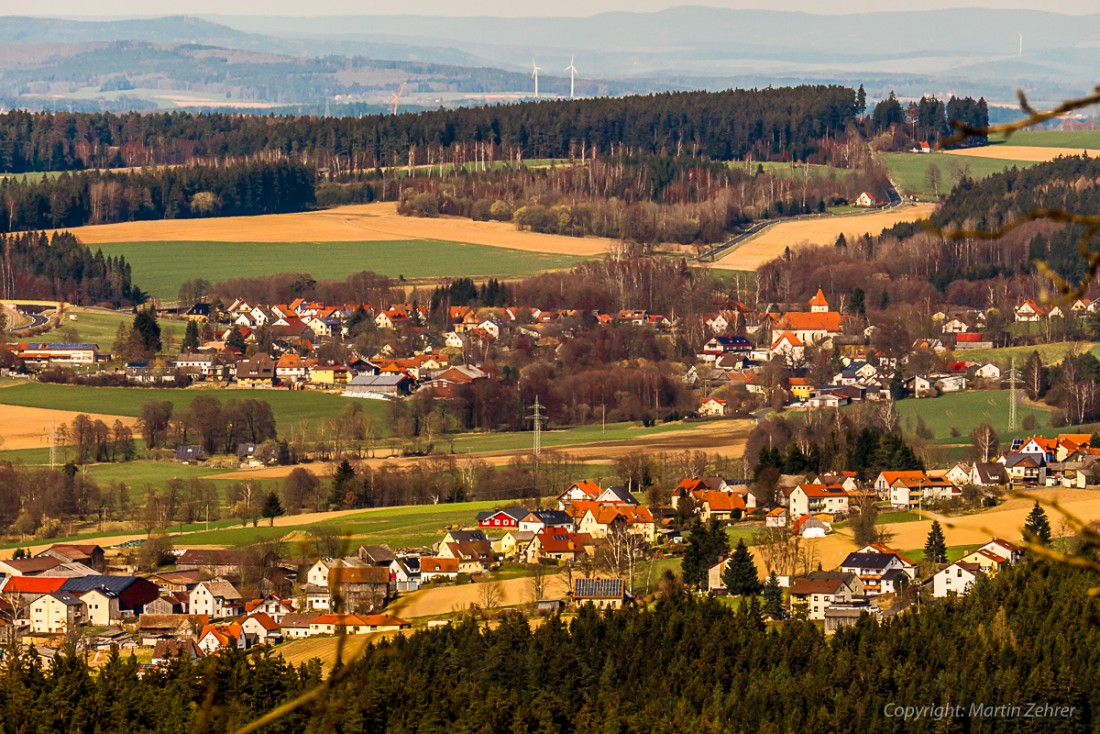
222,589
439,565
33,565
806,586
298,620
171,621
195,576
358,575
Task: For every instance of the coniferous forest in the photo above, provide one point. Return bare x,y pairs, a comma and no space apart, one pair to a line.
35,265
1032,635
781,122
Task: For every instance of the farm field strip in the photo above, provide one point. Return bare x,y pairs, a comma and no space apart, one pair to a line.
378,222
773,241
156,265
909,171
1032,153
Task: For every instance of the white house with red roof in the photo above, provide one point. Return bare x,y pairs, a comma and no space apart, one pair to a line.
808,499
1029,310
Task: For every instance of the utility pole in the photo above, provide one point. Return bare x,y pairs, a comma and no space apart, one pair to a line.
603,417
536,417
53,442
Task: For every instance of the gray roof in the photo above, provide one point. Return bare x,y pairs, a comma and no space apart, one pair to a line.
867,560
113,584
598,589
67,599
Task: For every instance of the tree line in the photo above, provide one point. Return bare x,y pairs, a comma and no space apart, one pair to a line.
786,122
185,191
37,266
720,670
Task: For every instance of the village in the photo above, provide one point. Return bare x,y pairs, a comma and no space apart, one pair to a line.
592,542
797,357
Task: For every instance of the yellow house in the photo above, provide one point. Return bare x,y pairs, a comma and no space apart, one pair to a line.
987,560
56,613
329,375
801,388
514,543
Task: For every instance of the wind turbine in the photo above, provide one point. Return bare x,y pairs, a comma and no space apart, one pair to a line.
397,96
535,74
572,76
1021,35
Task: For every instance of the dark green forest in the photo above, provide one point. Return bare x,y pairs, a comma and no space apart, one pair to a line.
1030,635
105,197
35,265
781,123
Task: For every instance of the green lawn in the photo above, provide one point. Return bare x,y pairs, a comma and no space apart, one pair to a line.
1049,353
789,170
893,517
1075,140
99,327
290,408
160,267
954,553
964,411
397,527
910,170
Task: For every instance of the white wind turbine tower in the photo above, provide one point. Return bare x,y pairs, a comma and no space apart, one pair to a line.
535,74
572,76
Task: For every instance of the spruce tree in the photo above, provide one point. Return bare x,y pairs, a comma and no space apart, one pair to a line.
145,323
272,507
341,481
236,340
935,548
773,597
1037,525
191,337
740,575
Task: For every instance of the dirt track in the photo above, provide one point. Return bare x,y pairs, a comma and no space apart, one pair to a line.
772,242
1021,152
356,223
29,428
431,602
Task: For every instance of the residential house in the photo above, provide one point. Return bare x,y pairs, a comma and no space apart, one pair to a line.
808,499
514,543
154,627
600,593
432,568
109,598
260,629
713,408
988,474
537,520
559,544
509,518
817,591
296,626
217,599
56,613
579,492
167,651
185,581
877,571
886,479
599,519
955,579
272,605
1029,310
720,506
214,562
362,588
217,637
777,518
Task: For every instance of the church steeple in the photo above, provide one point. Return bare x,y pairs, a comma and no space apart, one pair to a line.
818,304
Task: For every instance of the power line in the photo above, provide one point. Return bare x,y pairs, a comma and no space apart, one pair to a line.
537,418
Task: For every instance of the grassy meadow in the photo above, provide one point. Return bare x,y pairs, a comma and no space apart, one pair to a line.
965,411
160,267
99,327
910,170
290,408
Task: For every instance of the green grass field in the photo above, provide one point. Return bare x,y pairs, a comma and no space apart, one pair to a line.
99,327
397,527
1049,353
964,411
160,267
290,408
910,170
788,170
1072,139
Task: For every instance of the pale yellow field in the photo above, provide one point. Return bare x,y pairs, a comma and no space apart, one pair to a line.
357,223
1020,152
29,428
1006,521
431,602
771,243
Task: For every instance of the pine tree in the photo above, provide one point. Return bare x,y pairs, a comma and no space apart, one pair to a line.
740,575
236,341
935,548
1037,525
272,507
191,337
145,323
773,597
341,481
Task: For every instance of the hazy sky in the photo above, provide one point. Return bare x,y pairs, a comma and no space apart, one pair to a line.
103,8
